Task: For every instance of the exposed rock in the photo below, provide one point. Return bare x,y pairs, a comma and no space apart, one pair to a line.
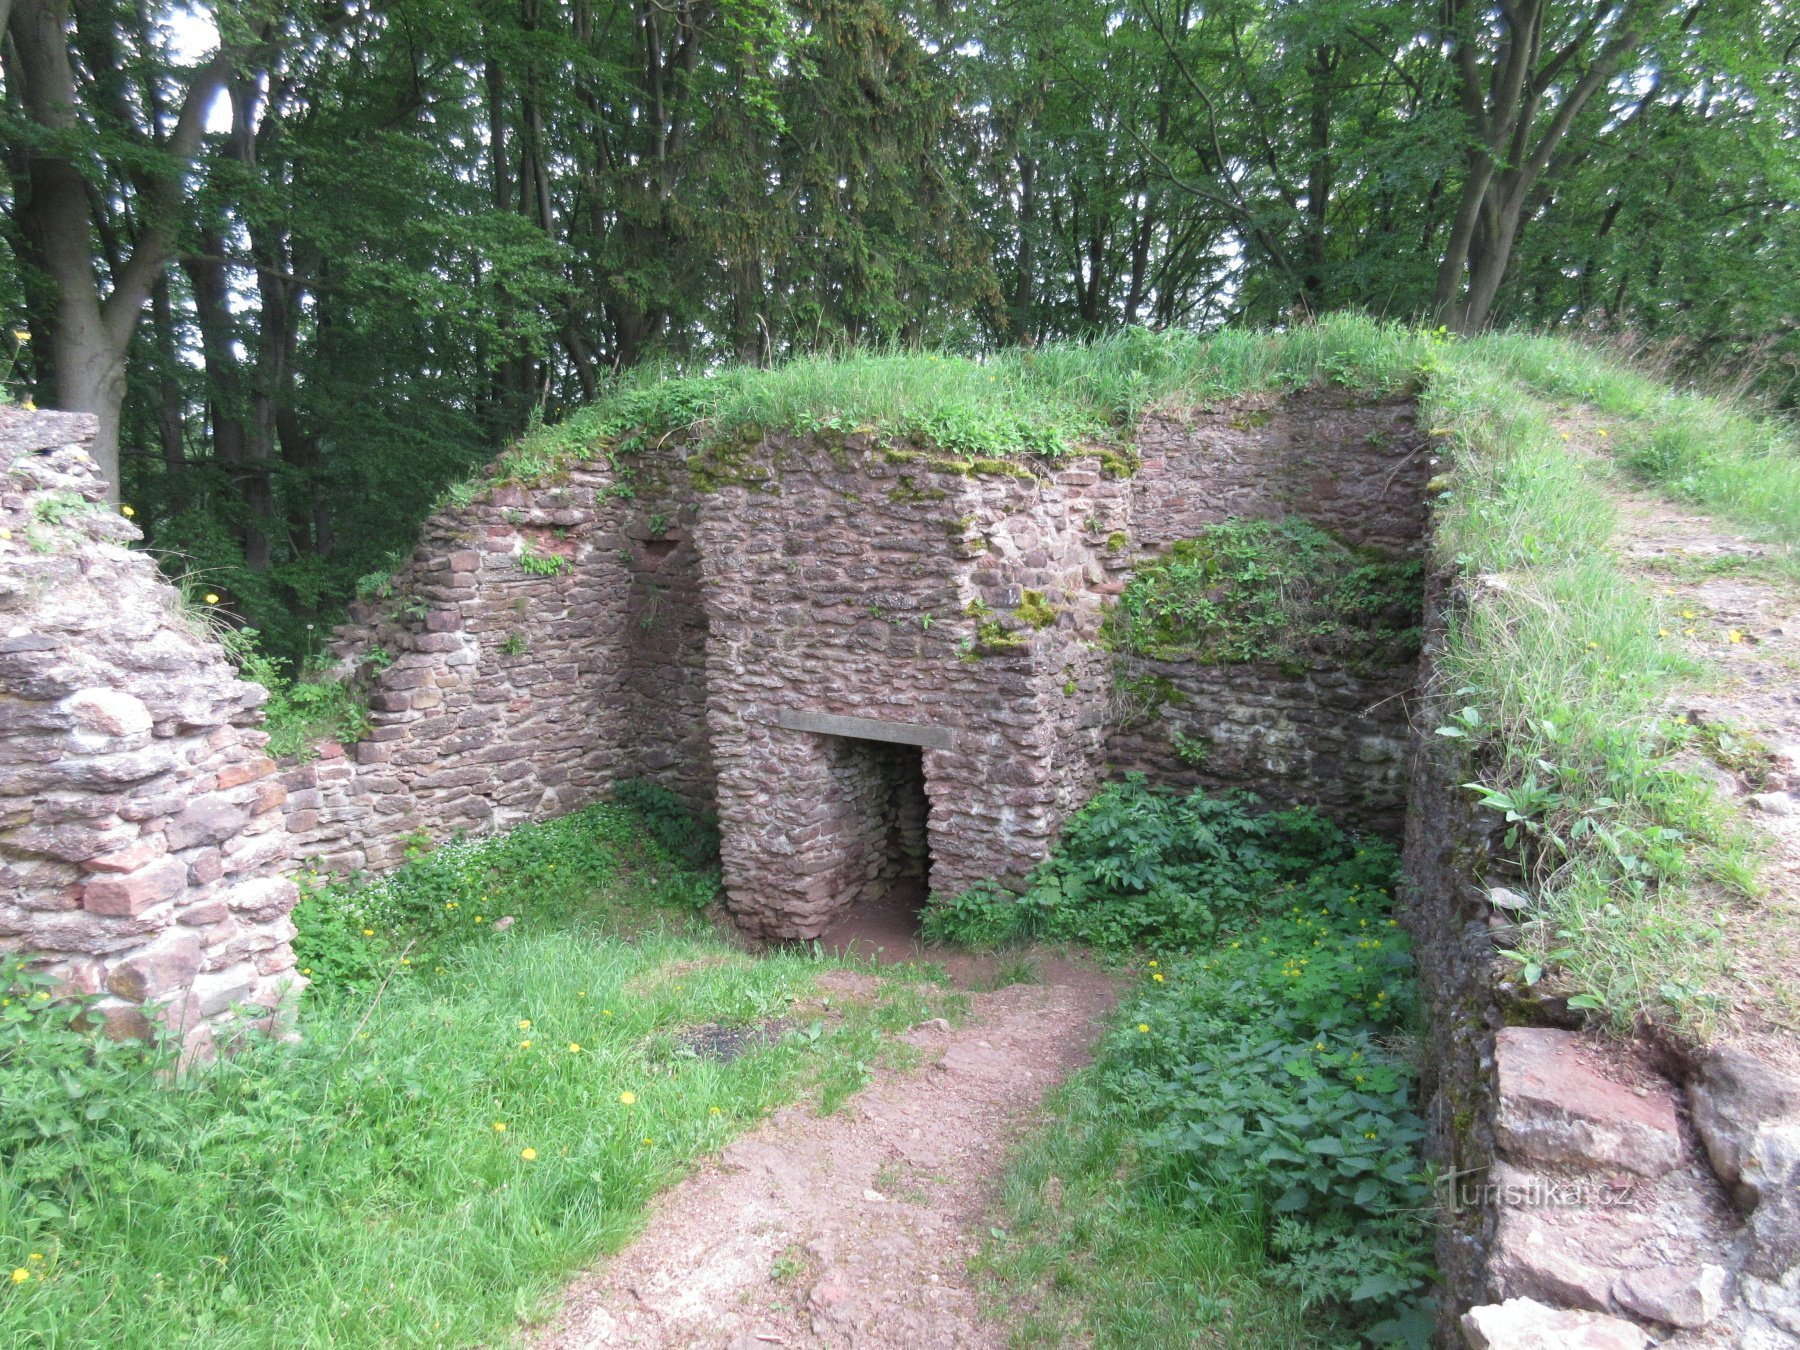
1501,897
1775,803
1553,1106
1525,1324
1733,1094
1532,1259
1771,1173
1677,1296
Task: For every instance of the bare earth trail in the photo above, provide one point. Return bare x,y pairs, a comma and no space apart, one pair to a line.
1735,609
853,1229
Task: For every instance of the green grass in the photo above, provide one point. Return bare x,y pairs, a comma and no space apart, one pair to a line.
354,1188
1049,402
1698,448
1083,1259
1564,666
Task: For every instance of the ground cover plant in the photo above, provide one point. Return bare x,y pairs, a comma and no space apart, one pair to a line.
451,1137
1253,1097
1277,591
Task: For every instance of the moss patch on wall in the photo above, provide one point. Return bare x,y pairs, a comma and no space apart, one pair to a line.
1282,592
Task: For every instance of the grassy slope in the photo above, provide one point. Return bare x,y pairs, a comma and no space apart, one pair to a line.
356,1189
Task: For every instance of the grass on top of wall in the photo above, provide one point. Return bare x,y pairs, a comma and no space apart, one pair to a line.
1048,401
1562,671
438,1153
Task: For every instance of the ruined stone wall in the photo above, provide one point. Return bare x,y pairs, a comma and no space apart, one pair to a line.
840,580
1325,738
496,664
542,643
141,840
665,644
1353,466
1596,1191
1349,465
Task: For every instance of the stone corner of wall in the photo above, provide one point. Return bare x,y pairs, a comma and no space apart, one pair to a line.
140,826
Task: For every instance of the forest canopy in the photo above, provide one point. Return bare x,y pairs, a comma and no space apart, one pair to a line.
309,263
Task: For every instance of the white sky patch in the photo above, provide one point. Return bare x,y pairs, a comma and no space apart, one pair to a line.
194,36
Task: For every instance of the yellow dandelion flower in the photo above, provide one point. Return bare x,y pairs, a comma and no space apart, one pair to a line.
1158,978
479,919
1735,635
1153,965
211,598
499,1127
574,1047
368,932
126,510
20,1275
524,1024
606,1012
528,1154
714,1111
29,406
20,335
1143,1026
627,1098
524,1045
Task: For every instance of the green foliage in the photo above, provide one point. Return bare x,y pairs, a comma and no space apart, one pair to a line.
356,1187
1251,1100
537,564
692,840
72,1096
354,933
304,711
1142,865
1283,592
1559,682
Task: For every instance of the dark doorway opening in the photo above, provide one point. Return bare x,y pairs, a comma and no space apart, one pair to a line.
881,788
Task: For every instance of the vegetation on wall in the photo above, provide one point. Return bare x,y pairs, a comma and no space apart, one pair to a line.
1282,592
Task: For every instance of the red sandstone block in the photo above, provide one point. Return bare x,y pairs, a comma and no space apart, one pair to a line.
134,892
465,560
248,772
125,859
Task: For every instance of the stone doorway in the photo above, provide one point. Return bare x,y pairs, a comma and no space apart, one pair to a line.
880,788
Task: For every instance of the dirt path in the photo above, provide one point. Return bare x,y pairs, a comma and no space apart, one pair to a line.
1731,605
853,1229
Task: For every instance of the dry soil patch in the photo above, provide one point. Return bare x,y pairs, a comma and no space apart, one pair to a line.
853,1229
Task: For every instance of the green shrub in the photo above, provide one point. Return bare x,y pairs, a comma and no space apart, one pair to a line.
1276,591
694,840
1144,866
1257,1073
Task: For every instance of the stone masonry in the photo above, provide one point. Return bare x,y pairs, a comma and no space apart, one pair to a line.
141,833
665,614
705,593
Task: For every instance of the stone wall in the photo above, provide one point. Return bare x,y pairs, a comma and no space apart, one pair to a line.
846,582
709,589
141,839
542,643
1326,738
1596,1191
1353,466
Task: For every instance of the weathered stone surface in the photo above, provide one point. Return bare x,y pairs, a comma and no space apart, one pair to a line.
1676,1296
1525,1324
131,893
1732,1095
114,718
1553,1106
208,819
1533,1259
1771,1175
165,966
